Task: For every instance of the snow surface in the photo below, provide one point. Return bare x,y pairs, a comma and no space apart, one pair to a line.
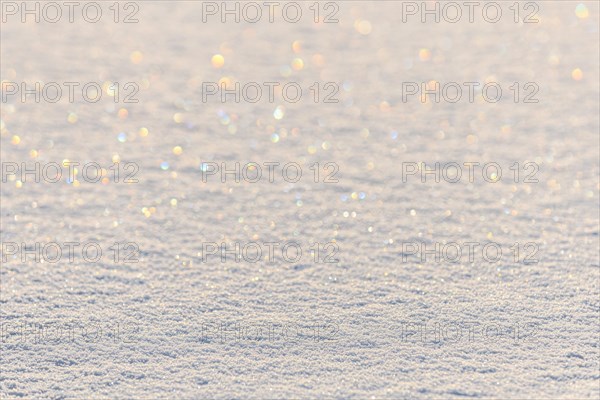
168,305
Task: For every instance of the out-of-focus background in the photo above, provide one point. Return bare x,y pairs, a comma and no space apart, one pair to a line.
350,329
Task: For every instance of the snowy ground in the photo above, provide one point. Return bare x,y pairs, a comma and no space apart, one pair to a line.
350,329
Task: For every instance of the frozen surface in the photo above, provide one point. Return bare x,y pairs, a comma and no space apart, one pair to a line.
168,304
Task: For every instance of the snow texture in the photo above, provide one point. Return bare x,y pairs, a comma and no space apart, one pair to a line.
165,327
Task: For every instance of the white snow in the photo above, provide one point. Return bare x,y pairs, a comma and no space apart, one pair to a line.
167,305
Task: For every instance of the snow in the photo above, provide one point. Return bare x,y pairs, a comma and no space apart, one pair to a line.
336,330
